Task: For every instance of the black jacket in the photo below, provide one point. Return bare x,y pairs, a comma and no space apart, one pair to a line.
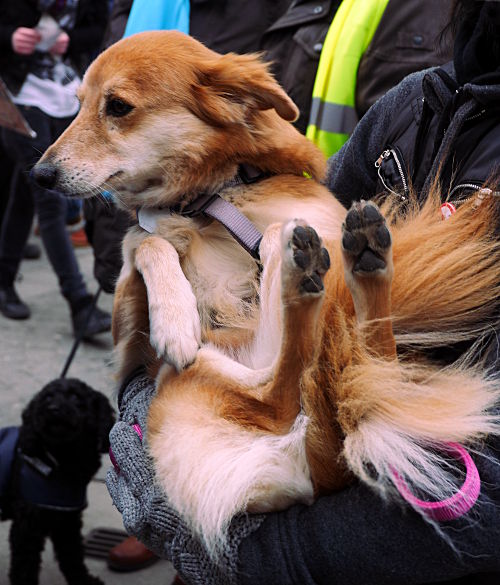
233,25
406,40
427,121
443,120
293,46
85,38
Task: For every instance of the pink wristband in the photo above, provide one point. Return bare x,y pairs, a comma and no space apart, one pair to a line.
456,505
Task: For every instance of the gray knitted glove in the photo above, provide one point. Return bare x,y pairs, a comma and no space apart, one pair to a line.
144,506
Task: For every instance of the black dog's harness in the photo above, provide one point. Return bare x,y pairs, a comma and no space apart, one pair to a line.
214,206
39,482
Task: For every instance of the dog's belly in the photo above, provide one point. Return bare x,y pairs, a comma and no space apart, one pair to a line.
212,469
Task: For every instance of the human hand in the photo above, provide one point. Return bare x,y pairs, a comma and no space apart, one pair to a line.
144,506
24,40
61,45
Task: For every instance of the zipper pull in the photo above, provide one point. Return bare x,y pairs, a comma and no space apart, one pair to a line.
480,197
384,155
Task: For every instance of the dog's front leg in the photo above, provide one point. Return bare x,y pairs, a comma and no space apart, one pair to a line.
65,533
26,544
175,330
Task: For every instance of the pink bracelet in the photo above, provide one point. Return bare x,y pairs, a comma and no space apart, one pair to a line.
456,505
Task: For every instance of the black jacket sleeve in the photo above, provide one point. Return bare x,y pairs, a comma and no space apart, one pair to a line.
353,537
86,38
117,22
351,174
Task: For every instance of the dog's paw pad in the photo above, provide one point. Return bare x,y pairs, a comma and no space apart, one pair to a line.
308,260
366,239
369,262
312,283
383,236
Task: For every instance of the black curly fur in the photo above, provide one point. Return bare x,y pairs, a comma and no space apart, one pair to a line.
71,421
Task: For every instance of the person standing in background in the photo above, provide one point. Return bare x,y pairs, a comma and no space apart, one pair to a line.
45,46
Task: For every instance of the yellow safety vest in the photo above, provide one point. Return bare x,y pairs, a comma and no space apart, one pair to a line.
333,113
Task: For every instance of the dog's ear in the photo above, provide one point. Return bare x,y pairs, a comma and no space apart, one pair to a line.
233,87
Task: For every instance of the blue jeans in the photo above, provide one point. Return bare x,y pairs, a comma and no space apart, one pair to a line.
50,207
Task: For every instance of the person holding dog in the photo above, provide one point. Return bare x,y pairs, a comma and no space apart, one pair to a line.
444,122
45,46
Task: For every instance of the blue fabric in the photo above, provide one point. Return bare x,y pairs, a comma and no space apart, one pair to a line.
158,15
49,488
46,488
8,442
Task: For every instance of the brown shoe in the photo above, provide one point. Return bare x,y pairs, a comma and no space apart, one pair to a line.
130,555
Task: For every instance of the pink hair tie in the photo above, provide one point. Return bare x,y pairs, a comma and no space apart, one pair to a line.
456,505
138,430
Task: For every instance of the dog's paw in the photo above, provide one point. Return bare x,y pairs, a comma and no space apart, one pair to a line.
176,335
366,240
305,261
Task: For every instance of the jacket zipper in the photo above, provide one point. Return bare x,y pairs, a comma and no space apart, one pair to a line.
378,165
464,186
473,187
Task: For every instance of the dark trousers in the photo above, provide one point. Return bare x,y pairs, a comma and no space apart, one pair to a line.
50,207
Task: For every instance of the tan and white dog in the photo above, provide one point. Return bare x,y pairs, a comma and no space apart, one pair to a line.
279,384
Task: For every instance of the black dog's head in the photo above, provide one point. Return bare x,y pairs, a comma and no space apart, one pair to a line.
69,420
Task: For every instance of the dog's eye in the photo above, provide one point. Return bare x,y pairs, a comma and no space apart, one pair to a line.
117,108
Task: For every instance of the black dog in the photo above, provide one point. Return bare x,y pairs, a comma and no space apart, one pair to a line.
54,455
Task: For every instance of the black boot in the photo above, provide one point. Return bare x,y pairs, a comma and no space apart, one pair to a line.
11,305
87,323
32,251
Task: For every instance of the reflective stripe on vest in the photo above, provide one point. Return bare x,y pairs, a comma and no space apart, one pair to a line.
333,114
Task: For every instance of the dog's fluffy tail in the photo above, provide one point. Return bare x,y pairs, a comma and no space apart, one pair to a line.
447,284
403,428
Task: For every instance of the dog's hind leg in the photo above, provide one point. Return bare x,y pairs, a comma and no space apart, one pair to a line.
291,294
368,270
304,262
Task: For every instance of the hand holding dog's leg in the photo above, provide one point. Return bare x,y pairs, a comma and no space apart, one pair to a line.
175,330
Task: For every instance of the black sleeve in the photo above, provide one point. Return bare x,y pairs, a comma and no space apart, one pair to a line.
355,538
88,33
351,171
117,22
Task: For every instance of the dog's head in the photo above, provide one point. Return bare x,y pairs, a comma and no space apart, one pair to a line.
64,416
163,117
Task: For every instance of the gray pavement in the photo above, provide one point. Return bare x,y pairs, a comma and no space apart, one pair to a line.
32,353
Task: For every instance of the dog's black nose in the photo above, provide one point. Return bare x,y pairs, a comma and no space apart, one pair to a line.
44,175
